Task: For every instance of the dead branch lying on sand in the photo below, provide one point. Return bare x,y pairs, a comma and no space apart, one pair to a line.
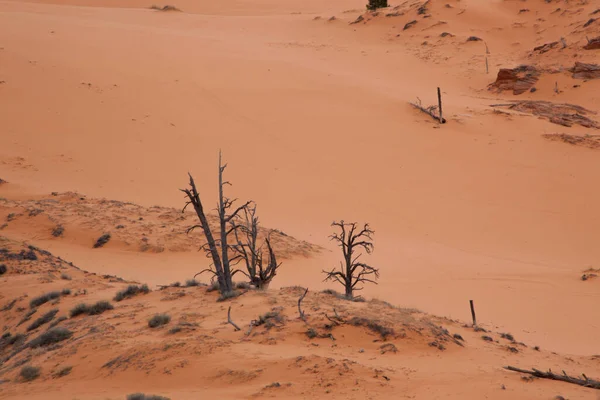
431,110
237,328
586,382
558,113
302,316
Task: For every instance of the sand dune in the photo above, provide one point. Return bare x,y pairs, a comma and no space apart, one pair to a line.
117,101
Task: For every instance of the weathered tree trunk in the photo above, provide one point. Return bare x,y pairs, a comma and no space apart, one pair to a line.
227,280
194,198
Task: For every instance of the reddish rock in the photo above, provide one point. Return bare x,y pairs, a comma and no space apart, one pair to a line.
586,71
593,44
519,79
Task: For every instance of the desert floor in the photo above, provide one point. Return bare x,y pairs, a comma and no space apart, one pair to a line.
106,106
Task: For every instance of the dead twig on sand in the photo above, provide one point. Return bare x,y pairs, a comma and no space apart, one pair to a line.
237,328
302,316
431,110
585,382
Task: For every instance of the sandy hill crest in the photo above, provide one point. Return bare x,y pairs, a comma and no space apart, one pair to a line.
343,349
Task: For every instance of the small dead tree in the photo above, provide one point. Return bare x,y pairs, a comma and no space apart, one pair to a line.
246,249
218,250
352,272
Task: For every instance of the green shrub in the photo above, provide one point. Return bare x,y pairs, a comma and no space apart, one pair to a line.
159,320
54,335
66,292
49,316
192,282
38,301
29,373
131,291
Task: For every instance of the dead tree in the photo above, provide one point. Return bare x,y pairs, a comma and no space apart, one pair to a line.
584,381
247,250
352,272
218,250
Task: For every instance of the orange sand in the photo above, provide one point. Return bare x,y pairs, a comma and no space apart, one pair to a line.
117,101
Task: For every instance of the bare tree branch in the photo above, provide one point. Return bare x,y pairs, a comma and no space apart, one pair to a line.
302,317
237,328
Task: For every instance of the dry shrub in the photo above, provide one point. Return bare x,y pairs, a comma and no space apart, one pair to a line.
159,320
29,373
131,291
54,335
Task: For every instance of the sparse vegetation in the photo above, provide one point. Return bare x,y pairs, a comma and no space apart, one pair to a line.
64,371
164,8
102,240
16,339
487,338
94,309
174,330
352,272
65,292
159,320
373,326
131,291
214,285
66,277
142,396
29,373
373,5
271,319
191,282
3,269
243,286
311,333
38,301
507,336
27,316
54,335
57,321
44,319
229,295
331,292
58,231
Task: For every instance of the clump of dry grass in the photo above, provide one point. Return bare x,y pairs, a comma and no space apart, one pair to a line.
164,8
94,309
102,240
29,373
49,316
373,326
64,371
159,320
271,319
142,396
38,301
54,335
131,291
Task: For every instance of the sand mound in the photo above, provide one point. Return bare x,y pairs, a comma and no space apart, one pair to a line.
342,348
78,219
